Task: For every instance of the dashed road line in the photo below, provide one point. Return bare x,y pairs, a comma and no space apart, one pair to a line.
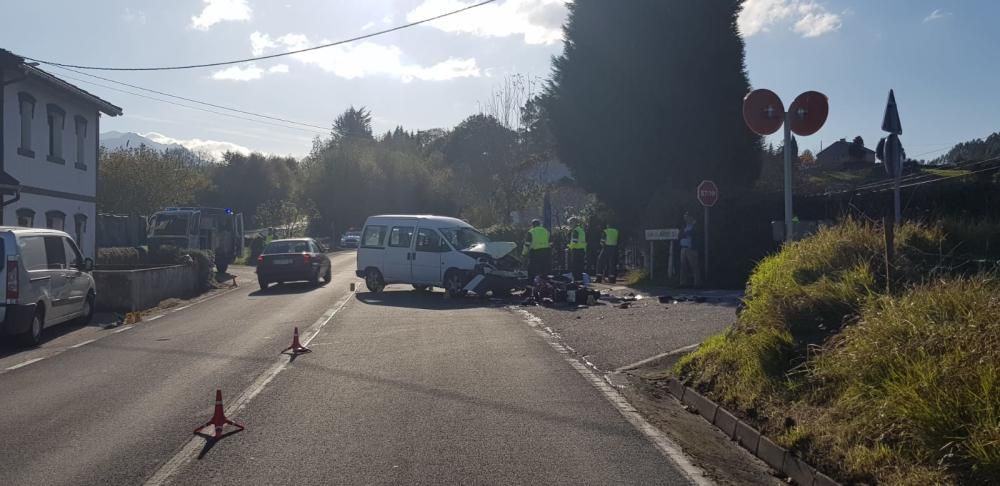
122,329
26,363
667,447
77,345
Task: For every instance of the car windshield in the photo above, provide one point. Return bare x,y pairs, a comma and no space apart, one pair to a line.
287,247
169,224
352,234
463,238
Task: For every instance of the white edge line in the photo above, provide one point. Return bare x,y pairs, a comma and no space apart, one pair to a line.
190,450
151,319
664,444
77,345
123,329
26,363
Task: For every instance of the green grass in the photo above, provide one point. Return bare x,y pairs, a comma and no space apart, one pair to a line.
634,277
898,387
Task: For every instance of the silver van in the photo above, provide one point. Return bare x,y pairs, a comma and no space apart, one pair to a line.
48,282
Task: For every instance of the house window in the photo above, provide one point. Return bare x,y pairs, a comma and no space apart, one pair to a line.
25,218
80,228
81,137
26,102
55,220
57,121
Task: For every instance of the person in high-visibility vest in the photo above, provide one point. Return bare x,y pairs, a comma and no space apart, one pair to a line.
577,248
608,259
537,249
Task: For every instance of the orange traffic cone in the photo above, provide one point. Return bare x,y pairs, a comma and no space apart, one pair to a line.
219,419
296,347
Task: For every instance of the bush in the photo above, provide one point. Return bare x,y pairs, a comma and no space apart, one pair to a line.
119,256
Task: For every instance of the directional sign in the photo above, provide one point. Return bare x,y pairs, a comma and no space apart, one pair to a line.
808,113
708,193
763,111
890,122
662,234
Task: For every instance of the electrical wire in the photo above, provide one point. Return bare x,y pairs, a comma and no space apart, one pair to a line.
237,110
270,56
193,107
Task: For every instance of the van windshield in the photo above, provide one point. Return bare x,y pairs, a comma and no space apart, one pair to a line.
463,238
169,224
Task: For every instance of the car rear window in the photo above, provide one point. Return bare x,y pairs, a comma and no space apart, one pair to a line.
287,247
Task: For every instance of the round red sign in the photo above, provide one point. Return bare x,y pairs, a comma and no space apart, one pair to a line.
808,113
708,193
763,111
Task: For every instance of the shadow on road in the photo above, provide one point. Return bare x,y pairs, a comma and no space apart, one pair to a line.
287,289
10,346
415,299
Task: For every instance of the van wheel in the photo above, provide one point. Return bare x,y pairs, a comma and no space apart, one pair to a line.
374,280
88,310
34,335
454,283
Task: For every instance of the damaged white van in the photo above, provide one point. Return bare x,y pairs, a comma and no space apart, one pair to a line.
435,251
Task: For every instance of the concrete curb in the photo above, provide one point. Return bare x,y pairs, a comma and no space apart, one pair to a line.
749,438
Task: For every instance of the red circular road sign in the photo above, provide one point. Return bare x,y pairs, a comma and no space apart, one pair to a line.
808,113
708,193
763,111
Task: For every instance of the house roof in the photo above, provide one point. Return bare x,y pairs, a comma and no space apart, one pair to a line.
840,148
9,59
8,184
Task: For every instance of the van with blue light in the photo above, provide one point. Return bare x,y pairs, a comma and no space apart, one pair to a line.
198,228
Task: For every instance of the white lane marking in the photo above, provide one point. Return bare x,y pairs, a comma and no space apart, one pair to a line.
151,319
26,363
182,307
637,364
77,345
190,450
123,329
664,444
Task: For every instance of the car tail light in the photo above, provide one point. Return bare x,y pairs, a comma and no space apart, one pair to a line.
13,280
260,258
306,257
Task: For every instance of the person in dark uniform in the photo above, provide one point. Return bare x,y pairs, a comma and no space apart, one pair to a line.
608,259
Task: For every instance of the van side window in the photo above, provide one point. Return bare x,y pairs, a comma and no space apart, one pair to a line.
55,253
73,257
429,241
373,237
400,236
33,253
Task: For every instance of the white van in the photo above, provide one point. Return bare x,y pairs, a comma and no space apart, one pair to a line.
48,282
430,251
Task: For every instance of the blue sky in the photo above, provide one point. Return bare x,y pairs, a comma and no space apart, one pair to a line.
938,55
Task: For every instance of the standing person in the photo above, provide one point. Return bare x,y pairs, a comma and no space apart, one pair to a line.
577,248
537,249
691,240
607,261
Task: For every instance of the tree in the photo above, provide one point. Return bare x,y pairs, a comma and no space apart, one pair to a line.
244,182
631,126
355,122
140,181
857,148
807,159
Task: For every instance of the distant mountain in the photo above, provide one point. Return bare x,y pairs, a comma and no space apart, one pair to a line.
119,140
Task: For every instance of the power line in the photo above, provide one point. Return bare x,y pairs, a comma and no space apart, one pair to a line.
270,56
191,107
237,110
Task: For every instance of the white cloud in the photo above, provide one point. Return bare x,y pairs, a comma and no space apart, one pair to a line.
809,18
216,11
213,148
387,19
133,16
260,43
367,26
937,14
238,73
278,68
538,21
365,59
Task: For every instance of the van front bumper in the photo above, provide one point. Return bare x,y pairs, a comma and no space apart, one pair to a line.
16,318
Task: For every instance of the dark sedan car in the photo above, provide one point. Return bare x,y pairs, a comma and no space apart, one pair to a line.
294,259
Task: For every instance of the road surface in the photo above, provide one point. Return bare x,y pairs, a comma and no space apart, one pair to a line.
402,388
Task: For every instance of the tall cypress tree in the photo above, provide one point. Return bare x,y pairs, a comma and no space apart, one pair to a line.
647,98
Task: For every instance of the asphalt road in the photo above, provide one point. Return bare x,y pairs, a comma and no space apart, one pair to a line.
402,388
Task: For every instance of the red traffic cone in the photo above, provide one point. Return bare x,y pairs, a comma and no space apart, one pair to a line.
219,419
296,347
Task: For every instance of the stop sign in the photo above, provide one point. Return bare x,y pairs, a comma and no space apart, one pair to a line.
708,193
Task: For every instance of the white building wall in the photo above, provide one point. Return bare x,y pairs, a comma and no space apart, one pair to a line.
42,204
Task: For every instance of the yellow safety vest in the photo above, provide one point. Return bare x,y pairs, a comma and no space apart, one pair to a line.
610,237
578,240
539,238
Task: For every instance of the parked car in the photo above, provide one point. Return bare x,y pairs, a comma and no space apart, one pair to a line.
433,251
48,282
292,259
350,239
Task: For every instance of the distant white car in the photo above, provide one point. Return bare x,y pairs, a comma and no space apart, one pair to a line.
48,282
430,251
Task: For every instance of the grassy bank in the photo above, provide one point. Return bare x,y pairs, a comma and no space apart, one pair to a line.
898,386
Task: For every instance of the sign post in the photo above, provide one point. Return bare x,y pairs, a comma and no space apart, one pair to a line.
708,195
666,234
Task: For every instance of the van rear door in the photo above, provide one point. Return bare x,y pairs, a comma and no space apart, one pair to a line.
399,253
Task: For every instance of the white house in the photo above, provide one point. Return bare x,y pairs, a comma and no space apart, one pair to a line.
48,151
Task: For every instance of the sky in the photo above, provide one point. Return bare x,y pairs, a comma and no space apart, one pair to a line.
937,55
